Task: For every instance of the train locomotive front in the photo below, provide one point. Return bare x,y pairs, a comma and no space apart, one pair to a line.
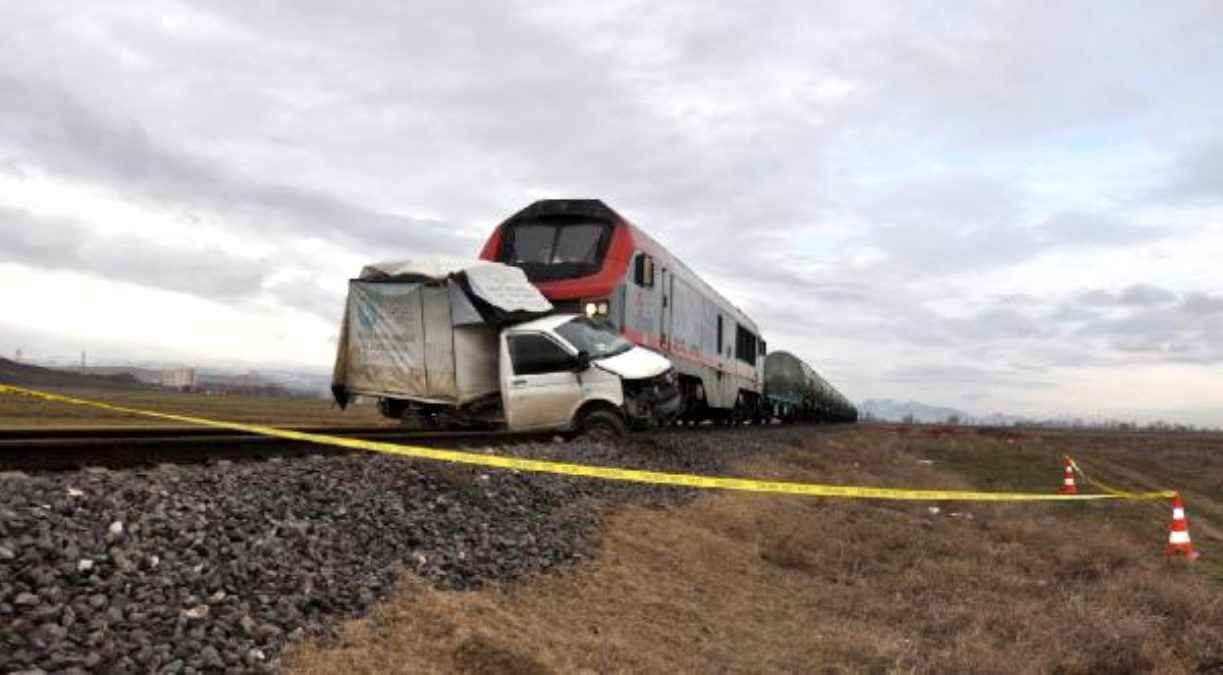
586,258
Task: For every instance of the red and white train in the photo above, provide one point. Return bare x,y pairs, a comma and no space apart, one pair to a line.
586,258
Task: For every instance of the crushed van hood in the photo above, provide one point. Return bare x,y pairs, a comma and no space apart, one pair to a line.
635,364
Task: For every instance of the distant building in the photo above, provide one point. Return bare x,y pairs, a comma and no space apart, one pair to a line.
182,379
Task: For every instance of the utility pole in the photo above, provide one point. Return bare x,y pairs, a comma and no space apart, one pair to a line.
82,362
19,355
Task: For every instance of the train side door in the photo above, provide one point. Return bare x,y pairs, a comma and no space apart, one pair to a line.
666,315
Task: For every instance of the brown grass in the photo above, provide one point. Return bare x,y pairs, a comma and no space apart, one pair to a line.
751,583
25,412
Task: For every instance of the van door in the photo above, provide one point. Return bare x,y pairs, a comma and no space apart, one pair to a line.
539,388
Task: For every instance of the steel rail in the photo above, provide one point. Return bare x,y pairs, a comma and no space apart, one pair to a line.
163,430
66,450
180,431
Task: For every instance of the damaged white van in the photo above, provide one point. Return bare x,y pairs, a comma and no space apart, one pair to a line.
479,348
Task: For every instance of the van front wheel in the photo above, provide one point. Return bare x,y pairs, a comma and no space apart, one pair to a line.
602,425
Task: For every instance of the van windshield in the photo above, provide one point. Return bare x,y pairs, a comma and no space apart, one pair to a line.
593,337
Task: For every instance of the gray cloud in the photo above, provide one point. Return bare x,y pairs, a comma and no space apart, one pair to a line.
679,132
1138,295
308,296
63,244
46,243
1196,175
1188,331
959,375
976,236
54,131
1141,324
855,176
1137,324
1202,304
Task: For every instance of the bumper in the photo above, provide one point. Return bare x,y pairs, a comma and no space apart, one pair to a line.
654,400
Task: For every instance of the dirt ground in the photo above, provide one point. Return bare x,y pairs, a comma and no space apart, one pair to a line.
24,412
747,583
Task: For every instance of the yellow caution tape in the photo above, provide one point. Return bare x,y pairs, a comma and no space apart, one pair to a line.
601,472
1116,492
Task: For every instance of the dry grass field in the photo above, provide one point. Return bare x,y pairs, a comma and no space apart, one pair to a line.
749,583
24,412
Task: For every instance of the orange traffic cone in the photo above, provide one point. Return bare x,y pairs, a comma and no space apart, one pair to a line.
1178,534
1068,486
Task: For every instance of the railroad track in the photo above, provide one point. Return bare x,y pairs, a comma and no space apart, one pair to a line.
69,449
55,449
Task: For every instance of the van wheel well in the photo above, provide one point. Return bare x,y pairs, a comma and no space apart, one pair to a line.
600,420
591,406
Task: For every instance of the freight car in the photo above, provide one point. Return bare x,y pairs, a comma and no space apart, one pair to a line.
587,259
794,392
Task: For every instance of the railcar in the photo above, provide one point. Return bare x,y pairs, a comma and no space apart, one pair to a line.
795,392
586,258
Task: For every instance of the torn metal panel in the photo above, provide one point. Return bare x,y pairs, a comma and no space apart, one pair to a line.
505,288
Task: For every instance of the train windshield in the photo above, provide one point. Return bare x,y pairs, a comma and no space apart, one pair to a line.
593,337
556,248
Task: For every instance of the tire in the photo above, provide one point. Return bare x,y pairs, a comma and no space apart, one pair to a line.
602,425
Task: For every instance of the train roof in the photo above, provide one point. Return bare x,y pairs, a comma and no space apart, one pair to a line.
551,208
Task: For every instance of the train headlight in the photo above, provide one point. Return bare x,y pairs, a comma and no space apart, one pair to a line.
591,309
602,309
595,308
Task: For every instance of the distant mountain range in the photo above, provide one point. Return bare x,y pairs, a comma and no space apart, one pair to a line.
144,374
890,410
25,374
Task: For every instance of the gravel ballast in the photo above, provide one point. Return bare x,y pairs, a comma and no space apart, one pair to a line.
204,568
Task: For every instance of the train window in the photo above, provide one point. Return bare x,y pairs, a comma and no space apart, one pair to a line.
556,248
763,348
577,243
745,345
533,244
533,354
643,271
719,335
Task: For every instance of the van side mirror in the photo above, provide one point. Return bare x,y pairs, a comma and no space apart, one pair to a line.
581,362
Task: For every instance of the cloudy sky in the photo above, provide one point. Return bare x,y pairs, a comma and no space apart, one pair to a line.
995,208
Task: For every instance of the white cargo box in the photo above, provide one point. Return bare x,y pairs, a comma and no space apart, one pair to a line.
411,336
